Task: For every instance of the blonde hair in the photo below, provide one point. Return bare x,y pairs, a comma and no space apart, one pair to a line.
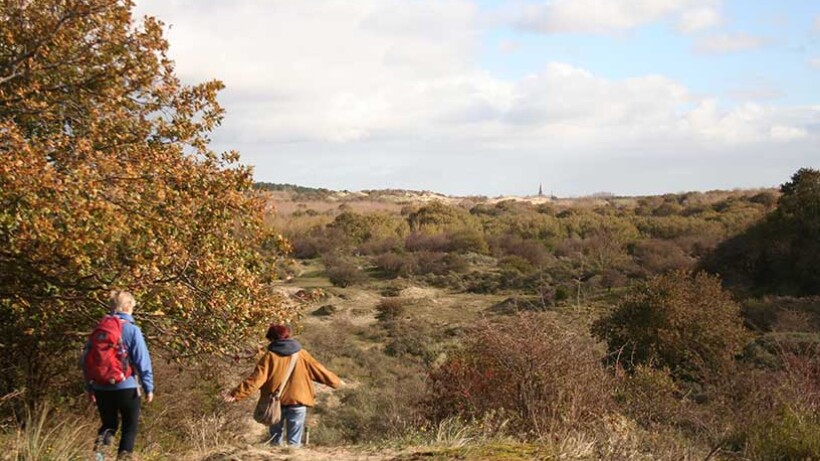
121,301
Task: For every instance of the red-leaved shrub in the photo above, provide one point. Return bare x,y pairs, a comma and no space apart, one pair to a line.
530,367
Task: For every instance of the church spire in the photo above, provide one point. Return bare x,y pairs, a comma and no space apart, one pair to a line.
540,190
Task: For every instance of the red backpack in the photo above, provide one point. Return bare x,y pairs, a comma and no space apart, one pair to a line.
106,358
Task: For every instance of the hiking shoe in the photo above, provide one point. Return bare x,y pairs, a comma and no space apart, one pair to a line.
102,440
99,443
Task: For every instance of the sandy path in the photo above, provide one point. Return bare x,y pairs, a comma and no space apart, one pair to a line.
255,453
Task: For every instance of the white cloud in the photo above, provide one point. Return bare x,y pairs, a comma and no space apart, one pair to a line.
567,101
817,24
729,43
814,63
608,16
336,71
788,133
568,104
402,79
698,19
746,124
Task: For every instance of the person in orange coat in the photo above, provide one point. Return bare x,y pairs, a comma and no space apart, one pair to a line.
298,393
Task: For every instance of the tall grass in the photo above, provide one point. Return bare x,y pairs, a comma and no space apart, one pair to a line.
45,435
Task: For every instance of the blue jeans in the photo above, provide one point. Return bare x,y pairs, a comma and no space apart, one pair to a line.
294,418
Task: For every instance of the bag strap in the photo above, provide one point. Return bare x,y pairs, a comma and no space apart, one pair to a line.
293,359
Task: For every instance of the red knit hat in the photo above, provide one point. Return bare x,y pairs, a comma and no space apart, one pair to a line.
277,331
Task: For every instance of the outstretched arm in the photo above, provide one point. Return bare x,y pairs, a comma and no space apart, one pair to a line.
320,374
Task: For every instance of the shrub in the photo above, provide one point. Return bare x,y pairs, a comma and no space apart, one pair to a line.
561,293
317,244
658,256
354,226
379,246
516,264
343,273
396,265
414,339
532,251
391,309
440,217
777,417
773,313
767,199
439,263
612,278
382,410
483,282
766,349
697,246
685,323
650,396
542,374
667,209
418,241
789,435
466,241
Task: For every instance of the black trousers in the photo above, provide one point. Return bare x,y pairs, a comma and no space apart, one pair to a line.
112,405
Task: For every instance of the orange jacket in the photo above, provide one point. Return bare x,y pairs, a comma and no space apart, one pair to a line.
270,372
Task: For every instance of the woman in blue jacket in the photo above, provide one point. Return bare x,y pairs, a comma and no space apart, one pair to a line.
122,400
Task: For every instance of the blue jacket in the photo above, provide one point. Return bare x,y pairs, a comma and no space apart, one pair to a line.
137,355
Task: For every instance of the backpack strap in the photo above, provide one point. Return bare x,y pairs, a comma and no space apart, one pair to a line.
127,357
293,359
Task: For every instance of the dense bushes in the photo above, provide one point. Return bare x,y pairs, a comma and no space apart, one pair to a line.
420,263
656,256
782,313
779,254
592,246
776,411
343,272
529,367
680,321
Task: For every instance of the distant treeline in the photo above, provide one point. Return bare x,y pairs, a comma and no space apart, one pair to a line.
277,187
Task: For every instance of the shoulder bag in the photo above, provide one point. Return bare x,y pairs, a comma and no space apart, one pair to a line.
269,408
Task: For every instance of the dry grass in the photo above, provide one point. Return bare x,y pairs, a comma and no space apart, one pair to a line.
46,435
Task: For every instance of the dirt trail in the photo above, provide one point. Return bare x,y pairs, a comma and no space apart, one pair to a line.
255,453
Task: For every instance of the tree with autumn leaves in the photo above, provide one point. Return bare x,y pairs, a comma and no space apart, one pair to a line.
107,180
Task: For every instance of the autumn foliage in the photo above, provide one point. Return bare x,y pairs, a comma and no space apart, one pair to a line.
107,180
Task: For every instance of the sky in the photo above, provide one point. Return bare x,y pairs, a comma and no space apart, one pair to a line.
494,97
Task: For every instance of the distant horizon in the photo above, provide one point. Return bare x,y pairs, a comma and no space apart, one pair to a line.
546,194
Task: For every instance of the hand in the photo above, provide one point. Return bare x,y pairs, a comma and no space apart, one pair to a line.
91,397
149,397
227,397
